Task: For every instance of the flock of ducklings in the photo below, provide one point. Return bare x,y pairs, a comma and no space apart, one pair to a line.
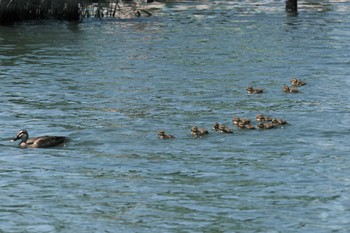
263,122
295,83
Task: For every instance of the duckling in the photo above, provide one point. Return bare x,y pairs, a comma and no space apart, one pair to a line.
249,126
245,121
261,117
236,120
216,126
224,129
296,82
162,135
266,126
241,125
251,90
278,121
290,90
197,132
286,89
38,142
221,128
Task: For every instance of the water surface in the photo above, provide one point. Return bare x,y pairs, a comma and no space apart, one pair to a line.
110,85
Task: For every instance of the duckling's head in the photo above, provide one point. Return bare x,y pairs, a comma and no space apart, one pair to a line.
286,89
216,126
236,120
161,133
294,81
259,117
194,129
275,121
22,134
250,88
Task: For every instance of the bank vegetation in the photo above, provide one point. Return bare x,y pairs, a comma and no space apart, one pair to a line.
71,10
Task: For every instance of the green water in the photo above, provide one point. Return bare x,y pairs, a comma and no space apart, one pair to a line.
110,85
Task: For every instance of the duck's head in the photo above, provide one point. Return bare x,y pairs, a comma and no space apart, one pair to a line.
250,88
294,81
161,133
286,89
275,121
22,134
259,117
216,126
194,129
236,120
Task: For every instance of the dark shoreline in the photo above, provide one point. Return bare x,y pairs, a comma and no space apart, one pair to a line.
12,11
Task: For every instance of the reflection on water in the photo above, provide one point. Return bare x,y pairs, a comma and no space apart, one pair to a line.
111,85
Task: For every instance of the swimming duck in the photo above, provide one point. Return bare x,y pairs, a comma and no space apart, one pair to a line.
236,120
38,142
197,132
243,125
290,90
266,126
251,90
249,126
216,126
261,117
162,135
222,128
245,121
278,121
296,82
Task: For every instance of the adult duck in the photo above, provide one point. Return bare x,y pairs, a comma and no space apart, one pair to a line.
38,142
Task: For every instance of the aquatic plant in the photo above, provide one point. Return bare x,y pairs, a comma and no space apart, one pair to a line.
71,10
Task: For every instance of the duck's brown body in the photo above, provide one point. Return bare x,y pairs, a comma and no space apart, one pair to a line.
261,118
266,126
162,135
290,90
276,121
297,82
252,90
38,142
197,132
222,128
